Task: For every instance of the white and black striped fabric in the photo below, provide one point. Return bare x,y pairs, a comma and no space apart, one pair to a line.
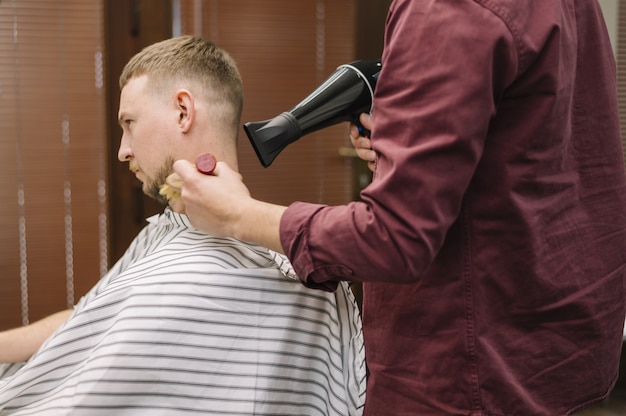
186,323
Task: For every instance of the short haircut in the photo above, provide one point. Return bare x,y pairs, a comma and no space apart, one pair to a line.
191,59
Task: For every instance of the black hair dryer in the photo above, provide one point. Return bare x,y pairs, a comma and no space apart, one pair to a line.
344,95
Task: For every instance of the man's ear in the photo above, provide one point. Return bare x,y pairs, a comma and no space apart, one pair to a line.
186,108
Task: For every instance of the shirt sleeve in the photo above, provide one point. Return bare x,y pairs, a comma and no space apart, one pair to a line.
444,66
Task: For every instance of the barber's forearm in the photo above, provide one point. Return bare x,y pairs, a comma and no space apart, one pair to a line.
261,225
19,344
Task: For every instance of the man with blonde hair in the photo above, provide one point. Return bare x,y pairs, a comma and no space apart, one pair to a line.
187,323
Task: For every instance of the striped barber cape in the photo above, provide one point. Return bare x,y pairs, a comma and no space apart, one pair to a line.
185,323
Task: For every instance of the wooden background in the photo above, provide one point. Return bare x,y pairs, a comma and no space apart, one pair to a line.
69,208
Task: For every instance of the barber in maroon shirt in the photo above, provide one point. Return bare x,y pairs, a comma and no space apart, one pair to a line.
492,239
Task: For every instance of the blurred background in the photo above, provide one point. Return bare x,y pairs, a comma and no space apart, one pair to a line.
69,209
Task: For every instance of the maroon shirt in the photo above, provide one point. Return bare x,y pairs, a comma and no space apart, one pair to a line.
492,240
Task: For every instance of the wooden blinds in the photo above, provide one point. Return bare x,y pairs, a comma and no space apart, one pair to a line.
52,149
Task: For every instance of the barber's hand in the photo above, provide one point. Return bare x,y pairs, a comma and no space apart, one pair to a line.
362,144
214,203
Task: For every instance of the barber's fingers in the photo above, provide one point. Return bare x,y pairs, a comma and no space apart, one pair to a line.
366,120
186,169
363,144
224,170
363,147
358,140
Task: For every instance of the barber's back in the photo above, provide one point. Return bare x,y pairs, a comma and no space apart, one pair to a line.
521,310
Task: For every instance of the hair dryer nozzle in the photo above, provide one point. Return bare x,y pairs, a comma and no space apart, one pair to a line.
345,94
271,136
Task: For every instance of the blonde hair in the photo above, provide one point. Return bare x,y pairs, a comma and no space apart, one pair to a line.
196,60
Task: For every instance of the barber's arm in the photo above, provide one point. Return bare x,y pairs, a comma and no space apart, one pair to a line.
19,344
220,204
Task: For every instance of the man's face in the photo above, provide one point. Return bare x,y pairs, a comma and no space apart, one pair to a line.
147,143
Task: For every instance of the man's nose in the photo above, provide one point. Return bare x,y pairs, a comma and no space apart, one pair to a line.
125,153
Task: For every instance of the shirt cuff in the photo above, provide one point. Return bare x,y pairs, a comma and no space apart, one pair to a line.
294,237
